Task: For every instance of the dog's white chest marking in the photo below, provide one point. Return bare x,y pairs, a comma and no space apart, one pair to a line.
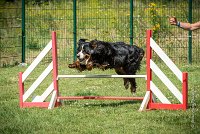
80,54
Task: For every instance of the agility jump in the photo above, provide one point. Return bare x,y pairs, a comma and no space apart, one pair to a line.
148,101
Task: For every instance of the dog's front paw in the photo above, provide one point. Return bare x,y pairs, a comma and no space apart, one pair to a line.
72,65
89,66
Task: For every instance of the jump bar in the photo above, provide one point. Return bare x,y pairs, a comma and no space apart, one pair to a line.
102,76
99,98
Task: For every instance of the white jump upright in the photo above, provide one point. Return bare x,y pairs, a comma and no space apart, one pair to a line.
38,101
151,89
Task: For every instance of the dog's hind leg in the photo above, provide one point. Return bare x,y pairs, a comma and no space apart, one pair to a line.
130,71
126,83
120,71
133,85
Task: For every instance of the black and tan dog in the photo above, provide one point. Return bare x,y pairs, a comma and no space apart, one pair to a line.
125,59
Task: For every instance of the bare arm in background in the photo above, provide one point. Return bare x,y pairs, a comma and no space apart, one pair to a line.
184,25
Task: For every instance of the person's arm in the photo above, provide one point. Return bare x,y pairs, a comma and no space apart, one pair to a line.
184,25
195,26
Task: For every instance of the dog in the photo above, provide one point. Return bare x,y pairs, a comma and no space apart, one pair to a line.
125,59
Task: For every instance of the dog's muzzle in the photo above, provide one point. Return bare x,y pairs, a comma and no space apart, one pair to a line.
84,59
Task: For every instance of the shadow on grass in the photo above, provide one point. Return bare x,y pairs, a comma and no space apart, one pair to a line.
100,103
114,104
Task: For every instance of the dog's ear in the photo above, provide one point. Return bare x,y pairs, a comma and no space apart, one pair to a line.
93,43
82,40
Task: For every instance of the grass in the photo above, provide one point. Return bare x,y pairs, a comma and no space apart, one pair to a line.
92,116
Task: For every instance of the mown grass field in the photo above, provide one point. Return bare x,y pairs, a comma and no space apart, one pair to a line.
92,116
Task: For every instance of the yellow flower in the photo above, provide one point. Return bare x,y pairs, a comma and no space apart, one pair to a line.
152,4
154,28
158,26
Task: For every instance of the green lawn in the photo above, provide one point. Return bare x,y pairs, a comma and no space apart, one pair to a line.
92,116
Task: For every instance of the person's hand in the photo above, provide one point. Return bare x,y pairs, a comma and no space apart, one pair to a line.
173,21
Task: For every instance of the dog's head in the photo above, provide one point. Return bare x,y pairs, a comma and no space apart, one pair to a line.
83,51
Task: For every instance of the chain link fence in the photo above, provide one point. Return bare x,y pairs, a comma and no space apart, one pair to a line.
10,33
114,20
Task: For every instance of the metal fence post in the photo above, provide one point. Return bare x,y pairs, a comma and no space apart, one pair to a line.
23,31
131,22
190,32
74,27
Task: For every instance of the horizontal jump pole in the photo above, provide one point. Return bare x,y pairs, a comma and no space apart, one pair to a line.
102,76
98,98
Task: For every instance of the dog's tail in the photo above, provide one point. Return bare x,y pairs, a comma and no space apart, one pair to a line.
141,54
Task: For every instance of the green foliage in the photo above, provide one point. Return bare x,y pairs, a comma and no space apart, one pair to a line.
32,44
155,19
10,33
96,19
